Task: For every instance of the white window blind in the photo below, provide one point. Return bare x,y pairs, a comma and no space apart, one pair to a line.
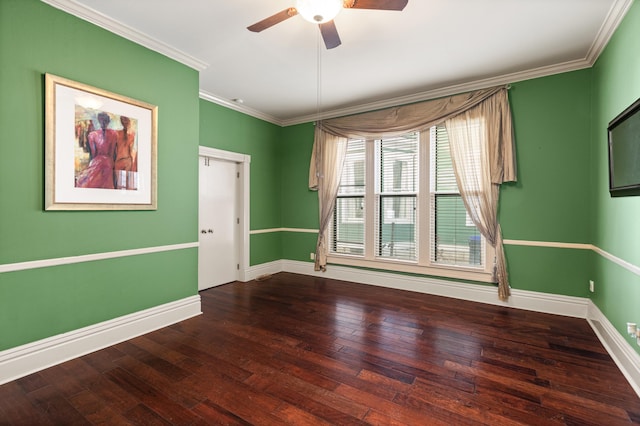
454,240
397,162
399,207
348,216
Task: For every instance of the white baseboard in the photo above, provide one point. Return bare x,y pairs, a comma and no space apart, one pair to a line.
26,359
521,299
269,268
623,354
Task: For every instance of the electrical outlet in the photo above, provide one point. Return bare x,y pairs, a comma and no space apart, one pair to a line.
592,286
312,256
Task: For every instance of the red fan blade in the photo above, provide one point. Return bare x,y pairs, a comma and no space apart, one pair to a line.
272,20
376,4
330,34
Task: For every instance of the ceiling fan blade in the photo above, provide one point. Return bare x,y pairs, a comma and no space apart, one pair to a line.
330,34
376,4
272,20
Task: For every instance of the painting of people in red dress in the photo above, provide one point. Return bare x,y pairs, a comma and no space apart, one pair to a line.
105,150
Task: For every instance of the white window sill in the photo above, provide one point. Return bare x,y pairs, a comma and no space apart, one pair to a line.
482,274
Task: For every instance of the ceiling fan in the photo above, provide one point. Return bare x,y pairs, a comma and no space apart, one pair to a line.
322,12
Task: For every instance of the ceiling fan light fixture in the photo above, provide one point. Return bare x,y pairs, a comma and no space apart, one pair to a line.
319,11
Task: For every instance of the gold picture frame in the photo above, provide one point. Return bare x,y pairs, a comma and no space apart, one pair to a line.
101,149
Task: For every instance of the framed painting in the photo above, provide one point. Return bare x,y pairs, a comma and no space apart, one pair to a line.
101,149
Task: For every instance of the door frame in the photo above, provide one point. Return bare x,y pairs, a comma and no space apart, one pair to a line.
243,162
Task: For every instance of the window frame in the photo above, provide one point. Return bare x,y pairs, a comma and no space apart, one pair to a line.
424,228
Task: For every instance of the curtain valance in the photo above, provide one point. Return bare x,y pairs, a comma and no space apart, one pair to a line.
398,120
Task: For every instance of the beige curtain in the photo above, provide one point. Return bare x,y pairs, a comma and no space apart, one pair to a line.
327,161
482,152
399,120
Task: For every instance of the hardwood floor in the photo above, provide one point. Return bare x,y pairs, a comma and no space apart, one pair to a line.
308,351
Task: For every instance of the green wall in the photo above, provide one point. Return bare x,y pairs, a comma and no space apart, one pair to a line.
229,130
36,39
615,221
549,202
299,204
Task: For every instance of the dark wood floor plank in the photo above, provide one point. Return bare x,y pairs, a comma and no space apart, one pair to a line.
162,366
32,382
473,406
17,409
330,368
275,382
103,360
389,364
151,397
111,394
391,409
217,415
314,403
56,407
375,417
144,416
95,411
579,407
517,406
238,398
66,385
305,350
454,411
292,415
184,395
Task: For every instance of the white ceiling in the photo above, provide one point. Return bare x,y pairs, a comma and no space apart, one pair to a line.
432,48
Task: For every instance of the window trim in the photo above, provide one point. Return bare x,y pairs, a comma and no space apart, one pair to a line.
423,265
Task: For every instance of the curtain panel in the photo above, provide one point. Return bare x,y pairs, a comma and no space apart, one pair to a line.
327,162
478,155
497,145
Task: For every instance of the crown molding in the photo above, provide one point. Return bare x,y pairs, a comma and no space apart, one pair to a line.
240,108
617,12
445,91
93,16
403,100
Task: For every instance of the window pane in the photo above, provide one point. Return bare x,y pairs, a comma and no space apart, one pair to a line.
396,238
348,226
445,178
396,200
455,240
399,164
347,235
352,178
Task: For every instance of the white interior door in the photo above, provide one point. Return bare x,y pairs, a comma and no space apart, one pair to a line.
218,256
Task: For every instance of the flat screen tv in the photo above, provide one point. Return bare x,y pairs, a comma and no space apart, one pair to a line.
624,152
